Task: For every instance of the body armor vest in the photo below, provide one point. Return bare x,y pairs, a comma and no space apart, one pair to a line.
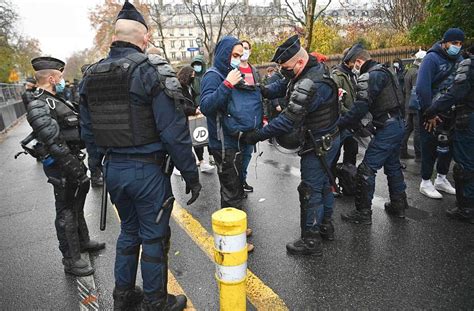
328,112
117,121
390,99
67,117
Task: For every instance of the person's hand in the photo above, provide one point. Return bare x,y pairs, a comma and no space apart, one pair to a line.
278,108
195,189
198,111
432,123
234,77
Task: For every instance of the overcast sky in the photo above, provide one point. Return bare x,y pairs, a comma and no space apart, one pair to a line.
61,26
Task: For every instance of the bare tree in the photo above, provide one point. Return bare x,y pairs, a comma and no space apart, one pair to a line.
402,14
211,19
161,21
304,13
8,17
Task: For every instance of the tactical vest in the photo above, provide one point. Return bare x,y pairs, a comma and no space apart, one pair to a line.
65,114
447,79
466,72
390,99
328,111
117,121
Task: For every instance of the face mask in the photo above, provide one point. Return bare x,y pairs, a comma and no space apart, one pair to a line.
197,68
288,73
60,86
246,55
454,50
235,62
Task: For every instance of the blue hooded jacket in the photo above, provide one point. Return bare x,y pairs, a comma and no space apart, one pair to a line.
436,74
230,110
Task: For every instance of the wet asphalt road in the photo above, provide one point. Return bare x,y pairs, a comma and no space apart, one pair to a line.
423,262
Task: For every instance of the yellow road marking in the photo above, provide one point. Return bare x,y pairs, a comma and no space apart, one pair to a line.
173,285
259,294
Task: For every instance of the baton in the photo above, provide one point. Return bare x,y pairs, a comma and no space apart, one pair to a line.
103,205
321,158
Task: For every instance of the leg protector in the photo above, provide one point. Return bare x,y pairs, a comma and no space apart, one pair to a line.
397,205
304,194
362,200
461,178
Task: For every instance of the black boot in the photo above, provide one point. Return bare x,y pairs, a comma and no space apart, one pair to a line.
462,214
171,303
464,210
363,213
327,229
397,205
362,217
77,266
247,187
87,245
92,246
96,178
308,244
128,299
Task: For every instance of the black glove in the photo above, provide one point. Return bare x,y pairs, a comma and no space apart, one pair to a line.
250,138
74,169
192,185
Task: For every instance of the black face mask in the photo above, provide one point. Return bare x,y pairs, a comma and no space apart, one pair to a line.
288,73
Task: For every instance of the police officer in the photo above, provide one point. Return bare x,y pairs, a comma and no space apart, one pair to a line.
130,107
378,92
56,127
461,94
313,106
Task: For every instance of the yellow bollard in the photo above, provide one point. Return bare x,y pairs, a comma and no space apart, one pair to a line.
230,254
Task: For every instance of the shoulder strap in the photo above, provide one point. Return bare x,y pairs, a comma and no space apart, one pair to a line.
214,69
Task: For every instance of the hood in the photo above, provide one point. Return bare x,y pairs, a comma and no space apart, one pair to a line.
199,59
436,48
222,54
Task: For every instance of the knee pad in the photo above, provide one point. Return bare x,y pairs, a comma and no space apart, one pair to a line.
304,191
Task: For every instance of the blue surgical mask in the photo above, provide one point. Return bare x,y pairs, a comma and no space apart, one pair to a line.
235,62
60,86
197,68
453,50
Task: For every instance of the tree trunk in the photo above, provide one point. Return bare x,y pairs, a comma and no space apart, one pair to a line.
309,24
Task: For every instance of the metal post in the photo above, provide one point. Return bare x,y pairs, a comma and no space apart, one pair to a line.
230,254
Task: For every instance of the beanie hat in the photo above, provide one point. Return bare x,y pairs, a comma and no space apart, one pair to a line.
453,34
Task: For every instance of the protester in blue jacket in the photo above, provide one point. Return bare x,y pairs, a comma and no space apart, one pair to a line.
231,107
435,76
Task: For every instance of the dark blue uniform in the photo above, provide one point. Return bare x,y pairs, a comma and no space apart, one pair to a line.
461,94
384,149
137,184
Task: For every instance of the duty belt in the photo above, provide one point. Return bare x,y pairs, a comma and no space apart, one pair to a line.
379,122
154,158
324,143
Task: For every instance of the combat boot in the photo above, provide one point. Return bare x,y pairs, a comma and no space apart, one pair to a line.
171,303
397,205
86,244
128,299
462,214
362,217
77,267
91,246
96,178
327,229
308,244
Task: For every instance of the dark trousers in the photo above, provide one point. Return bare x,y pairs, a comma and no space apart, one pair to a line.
351,148
412,124
138,190
199,151
429,155
463,144
229,169
71,227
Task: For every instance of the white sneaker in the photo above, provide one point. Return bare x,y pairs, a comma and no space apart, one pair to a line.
442,184
427,188
205,167
176,172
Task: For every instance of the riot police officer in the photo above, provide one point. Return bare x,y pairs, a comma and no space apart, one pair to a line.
130,108
460,94
378,92
309,122
56,127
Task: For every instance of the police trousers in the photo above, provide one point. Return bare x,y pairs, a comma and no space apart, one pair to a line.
138,190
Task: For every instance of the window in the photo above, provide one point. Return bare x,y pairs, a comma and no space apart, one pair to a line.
191,43
183,43
172,43
173,55
183,54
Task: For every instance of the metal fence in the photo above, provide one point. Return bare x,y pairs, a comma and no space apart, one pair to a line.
10,93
